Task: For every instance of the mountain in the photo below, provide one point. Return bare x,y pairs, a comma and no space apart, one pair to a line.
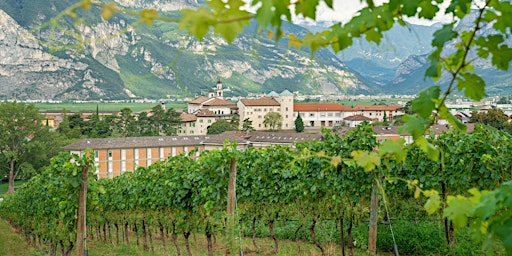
409,76
382,67
118,61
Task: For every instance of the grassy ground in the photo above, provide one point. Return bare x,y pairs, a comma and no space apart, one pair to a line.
11,243
5,185
105,106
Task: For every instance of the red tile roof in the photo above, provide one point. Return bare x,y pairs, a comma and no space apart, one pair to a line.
377,107
320,107
263,101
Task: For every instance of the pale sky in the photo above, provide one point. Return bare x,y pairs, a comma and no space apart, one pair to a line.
346,9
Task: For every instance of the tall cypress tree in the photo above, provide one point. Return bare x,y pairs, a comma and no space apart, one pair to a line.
299,124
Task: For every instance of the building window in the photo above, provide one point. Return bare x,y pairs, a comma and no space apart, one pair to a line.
162,154
209,120
96,154
200,120
286,108
123,160
148,156
311,114
173,151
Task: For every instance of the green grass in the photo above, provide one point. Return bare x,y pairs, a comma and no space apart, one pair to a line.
11,243
106,106
5,185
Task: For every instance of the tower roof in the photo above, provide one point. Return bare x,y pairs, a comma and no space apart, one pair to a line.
286,93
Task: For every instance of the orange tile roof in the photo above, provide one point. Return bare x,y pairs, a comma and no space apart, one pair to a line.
320,107
377,107
263,101
185,117
198,100
204,113
219,102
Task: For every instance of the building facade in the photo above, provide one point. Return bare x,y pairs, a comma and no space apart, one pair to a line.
115,156
256,109
378,112
322,114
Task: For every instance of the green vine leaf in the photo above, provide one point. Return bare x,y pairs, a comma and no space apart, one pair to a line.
365,159
433,201
473,86
148,16
197,22
108,10
395,149
424,104
458,210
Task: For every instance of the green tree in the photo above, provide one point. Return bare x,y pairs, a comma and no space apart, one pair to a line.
71,125
235,122
220,126
385,120
160,121
494,117
247,125
299,124
20,127
273,120
127,123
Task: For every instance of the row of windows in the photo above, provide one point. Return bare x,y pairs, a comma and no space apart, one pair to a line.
321,114
148,159
265,109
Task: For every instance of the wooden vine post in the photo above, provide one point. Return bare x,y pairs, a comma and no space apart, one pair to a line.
82,199
374,208
231,206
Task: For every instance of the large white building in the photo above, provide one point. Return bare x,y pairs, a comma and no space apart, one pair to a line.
322,114
377,112
196,123
256,109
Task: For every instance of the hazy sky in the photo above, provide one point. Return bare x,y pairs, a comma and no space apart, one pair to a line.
346,9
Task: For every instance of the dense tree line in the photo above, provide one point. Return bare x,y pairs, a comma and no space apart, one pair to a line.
494,117
158,121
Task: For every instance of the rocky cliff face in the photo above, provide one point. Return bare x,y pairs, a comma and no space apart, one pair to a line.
121,61
162,5
26,69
